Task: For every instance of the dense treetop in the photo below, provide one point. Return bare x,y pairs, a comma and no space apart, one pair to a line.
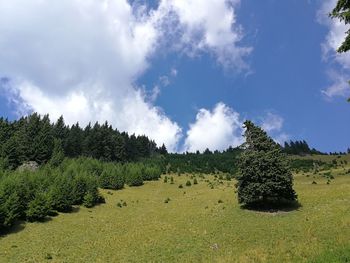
264,175
34,137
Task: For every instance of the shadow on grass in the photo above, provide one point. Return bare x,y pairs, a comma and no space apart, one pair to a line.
273,207
20,225
17,227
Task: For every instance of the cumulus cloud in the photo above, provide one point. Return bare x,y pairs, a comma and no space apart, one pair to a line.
210,25
338,72
272,123
81,58
217,129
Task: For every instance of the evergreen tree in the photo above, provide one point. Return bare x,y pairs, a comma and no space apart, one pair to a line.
57,153
163,150
264,175
44,141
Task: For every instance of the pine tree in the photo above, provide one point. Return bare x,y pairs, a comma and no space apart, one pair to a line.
163,150
57,153
264,175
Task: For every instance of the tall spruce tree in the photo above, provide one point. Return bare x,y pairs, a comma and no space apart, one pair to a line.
264,176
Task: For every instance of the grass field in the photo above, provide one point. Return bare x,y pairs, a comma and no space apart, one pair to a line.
198,224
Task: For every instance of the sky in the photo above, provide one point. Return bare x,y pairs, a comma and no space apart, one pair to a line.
186,73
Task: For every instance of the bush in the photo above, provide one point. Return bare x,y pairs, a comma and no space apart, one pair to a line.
133,175
165,179
112,177
188,183
195,181
180,186
39,208
151,173
10,210
89,200
171,180
167,200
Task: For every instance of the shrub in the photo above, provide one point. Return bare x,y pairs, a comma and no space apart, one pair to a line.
195,181
89,200
167,200
112,178
171,180
10,210
180,186
151,173
133,175
39,208
188,183
165,179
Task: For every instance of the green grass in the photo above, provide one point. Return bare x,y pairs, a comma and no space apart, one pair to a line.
198,224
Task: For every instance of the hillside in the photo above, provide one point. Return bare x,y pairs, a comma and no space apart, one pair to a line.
197,224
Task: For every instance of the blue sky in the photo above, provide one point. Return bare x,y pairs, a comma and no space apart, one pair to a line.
291,82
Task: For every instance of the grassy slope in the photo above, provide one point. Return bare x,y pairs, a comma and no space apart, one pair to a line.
192,227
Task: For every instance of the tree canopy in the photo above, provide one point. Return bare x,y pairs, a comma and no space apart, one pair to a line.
264,175
342,12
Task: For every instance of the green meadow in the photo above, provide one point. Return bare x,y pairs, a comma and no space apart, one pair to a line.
160,222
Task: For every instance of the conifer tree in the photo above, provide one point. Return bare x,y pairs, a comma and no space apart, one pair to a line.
264,175
57,153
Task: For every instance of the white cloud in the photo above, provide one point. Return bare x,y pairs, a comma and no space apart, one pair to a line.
272,123
335,37
340,85
210,25
216,130
81,58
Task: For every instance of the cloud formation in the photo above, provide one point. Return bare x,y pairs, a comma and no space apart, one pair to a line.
338,71
272,123
217,130
81,58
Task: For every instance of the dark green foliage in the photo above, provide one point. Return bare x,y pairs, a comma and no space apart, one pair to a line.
165,179
342,12
57,154
134,177
171,180
188,183
150,173
305,165
34,138
299,148
264,177
89,200
112,177
206,163
167,200
181,186
195,181
38,208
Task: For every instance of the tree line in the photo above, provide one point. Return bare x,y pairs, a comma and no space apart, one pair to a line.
299,148
33,138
